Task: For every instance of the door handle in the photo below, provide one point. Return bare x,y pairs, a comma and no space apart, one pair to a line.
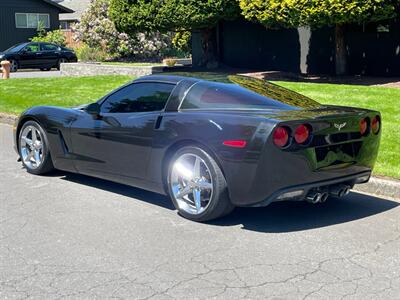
158,122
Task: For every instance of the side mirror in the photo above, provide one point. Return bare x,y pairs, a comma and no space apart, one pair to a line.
93,109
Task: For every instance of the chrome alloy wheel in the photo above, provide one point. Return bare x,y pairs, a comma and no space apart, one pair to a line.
191,183
31,147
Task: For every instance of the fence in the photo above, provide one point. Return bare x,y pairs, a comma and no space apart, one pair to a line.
69,36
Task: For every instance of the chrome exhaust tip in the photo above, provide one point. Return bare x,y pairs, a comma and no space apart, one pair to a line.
314,197
324,197
339,190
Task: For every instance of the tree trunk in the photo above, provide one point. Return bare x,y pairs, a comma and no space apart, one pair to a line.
340,50
209,48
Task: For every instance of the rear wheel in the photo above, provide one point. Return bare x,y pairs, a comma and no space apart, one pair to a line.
197,185
34,149
13,66
60,61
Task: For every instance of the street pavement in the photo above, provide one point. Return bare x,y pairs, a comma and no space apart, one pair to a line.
35,74
67,236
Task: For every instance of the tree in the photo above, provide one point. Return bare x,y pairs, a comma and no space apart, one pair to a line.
317,13
98,31
176,15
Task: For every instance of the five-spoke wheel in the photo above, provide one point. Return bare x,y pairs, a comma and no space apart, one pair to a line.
33,148
191,183
197,186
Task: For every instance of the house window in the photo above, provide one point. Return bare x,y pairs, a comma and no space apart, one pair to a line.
27,20
65,25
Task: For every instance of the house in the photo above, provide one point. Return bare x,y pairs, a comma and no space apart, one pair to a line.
19,19
68,19
78,6
372,49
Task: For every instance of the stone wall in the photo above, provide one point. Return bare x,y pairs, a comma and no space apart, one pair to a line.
92,69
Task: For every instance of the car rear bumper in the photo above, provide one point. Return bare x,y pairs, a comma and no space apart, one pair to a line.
293,193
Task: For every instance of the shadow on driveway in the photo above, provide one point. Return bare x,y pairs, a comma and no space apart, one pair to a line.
121,189
277,217
296,216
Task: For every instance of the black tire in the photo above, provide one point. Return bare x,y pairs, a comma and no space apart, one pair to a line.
45,69
220,204
14,65
47,164
60,61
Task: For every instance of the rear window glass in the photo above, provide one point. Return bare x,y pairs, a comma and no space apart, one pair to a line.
213,95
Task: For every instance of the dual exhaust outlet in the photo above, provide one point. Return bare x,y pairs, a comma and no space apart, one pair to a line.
316,196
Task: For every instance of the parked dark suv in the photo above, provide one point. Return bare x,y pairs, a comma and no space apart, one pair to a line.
43,56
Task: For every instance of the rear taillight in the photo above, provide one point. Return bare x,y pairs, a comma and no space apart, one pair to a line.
302,134
281,136
363,126
376,124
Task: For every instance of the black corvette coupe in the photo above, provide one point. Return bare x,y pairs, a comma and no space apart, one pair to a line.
43,56
210,146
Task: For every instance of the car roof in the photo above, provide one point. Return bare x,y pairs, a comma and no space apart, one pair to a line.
174,79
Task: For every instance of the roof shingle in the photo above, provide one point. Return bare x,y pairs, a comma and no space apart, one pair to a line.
78,6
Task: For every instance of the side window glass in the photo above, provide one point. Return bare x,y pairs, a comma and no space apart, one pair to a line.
138,97
32,48
48,47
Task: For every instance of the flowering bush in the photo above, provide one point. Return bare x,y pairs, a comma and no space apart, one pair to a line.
97,31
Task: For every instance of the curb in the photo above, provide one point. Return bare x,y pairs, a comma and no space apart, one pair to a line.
376,186
380,187
7,119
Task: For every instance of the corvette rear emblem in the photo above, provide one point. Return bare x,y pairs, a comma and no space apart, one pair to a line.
340,126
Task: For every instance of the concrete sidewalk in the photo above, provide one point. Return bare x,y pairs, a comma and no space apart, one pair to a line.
35,74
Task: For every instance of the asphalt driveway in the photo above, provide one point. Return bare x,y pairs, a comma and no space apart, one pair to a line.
72,236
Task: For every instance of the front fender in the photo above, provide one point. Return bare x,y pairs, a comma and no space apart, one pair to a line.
55,121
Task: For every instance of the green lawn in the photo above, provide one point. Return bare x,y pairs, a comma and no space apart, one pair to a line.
18,94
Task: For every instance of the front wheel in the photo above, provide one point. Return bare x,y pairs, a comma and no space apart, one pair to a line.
197,185
34,149
13,66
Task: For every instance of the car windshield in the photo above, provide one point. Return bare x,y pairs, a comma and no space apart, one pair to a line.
244,93
16,48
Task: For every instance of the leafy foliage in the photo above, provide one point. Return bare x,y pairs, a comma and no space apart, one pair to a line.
182,41
56,36
98,31
170,15
293,13
86,53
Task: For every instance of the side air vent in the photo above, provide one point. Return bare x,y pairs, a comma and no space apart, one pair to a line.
62,143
